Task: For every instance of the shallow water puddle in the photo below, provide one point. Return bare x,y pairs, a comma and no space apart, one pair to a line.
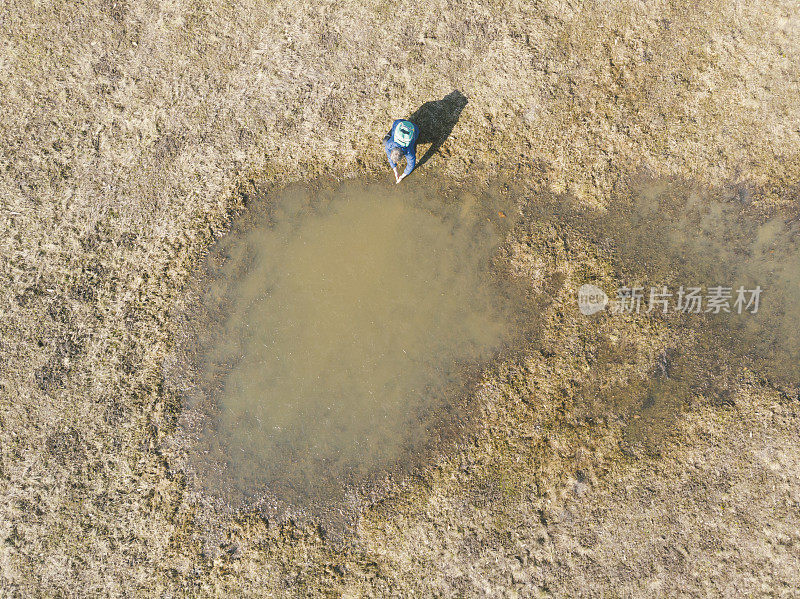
699,238
337,323
678,236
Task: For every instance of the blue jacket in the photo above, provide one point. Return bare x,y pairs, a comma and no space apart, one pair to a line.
409,150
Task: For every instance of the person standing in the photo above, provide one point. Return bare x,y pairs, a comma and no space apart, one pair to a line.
401,141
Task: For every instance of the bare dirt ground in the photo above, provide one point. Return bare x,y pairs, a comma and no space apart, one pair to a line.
131,130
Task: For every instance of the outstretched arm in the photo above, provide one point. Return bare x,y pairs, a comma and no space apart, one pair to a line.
411,162
389,158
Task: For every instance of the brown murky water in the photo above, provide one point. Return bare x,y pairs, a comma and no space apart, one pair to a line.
340,322
673,235
688,236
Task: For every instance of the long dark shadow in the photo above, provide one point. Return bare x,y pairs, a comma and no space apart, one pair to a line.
436,120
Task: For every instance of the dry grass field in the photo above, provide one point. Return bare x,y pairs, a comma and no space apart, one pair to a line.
132,129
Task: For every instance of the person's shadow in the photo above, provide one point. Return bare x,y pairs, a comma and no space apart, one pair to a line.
436,120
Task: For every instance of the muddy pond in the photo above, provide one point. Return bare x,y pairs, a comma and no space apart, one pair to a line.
336,326
339,329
